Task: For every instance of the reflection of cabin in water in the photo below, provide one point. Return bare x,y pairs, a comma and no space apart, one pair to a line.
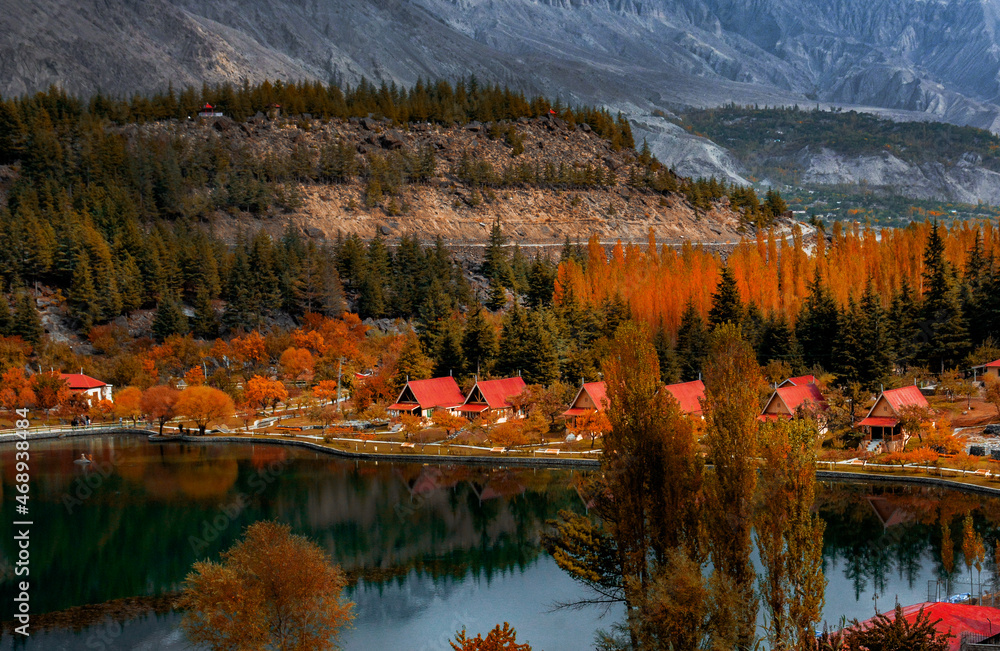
493,396
789,400
883,424
424,397
592,396
888,513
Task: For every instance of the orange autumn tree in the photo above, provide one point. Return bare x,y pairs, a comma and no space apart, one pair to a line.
297,364
159,403
509,434
271,590
498,639
126,405
262,392
592,424
16,391
771,272
448,421
250,350
326,390
50,390
195,377
204,405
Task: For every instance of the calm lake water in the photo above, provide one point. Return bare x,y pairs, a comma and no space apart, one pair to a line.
432,549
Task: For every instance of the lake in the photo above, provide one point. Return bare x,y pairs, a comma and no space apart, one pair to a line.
429,549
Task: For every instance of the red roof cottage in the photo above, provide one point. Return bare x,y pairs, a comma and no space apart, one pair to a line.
882,424
689,395
592,396
788,399
799,381
493,396
422,397
92,388
989,369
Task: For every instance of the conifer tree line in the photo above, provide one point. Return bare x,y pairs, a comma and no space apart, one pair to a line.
861,307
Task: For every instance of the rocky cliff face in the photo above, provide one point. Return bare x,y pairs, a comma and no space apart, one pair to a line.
940,58
903,58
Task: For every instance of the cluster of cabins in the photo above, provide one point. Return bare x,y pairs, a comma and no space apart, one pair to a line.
882,426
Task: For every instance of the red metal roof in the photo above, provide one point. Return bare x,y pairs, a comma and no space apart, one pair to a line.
875,421
954,618
688,395
496,392
993,364
403,406
598,392
80,382
799,381
908,396
796,396
435,392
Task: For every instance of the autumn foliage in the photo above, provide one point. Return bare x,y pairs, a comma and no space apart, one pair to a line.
771,273
159,403
499,639
204,405
272,590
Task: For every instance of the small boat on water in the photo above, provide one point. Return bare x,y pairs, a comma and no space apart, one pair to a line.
84,459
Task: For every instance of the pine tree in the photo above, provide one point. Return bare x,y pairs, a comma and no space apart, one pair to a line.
541,282
479,342
448,351
848,347
512,356
6,318
874,358
497,299
670,371
240,307
541,358
777,342
83,300
902,326
947,335
204,324
727,307
692,343
816,326
169,319
27,324
495,261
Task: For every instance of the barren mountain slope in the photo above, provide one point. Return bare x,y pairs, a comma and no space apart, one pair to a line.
461,213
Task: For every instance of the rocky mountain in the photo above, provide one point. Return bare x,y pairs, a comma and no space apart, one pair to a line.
910,59
940,58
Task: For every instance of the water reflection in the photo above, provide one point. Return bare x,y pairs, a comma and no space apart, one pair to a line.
430,548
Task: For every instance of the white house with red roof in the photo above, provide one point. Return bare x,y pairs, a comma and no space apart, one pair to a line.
989,369
92,388
688,395
493,396
883,422
592,396
424,397
791,399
